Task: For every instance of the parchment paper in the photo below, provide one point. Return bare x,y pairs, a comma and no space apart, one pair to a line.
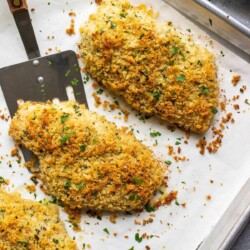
174,227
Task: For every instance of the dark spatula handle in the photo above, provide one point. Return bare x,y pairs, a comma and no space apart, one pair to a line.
17,5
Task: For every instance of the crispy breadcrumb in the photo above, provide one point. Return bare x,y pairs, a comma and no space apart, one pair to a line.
86,161
156,69
25,224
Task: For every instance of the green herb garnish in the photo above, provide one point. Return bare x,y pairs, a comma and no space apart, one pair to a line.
80,185
65,138
199,63
214,110
137,181
100,91
157,95
23,243
174,51
106,230
55,241
74,82
168,162
138,238
180,78
149,208
64,118
155,134
67,73
67,184
205,90
83,147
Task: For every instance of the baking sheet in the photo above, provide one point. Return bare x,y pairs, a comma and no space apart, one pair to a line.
174,227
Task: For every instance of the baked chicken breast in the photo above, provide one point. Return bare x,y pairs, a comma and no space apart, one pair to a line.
85,160
26,224
155,68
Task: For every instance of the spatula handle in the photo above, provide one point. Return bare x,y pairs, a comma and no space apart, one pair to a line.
17,5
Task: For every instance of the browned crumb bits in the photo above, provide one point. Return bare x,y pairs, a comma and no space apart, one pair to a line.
112,218
208,197
202,145
236,106
72,13
235,79
71,30
98,1
31,188
97,99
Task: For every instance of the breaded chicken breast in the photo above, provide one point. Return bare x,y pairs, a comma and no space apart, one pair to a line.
85,160
25,224
155,68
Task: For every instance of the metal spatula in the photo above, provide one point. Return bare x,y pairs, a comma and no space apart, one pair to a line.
40,78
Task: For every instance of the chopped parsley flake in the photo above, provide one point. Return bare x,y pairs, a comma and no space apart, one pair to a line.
214,110
55,241
189,30
106,230
76,108
157,95
149,208
23,243
199,63
168,162
83,147
74,82
205,90
123,15
64,118
80,185
246,101
177,203
100,91
65,138
76,67
131,248
174,51
177,143
137,181
138,238
67,73
180,78
113,26
67,184
86,78
155,134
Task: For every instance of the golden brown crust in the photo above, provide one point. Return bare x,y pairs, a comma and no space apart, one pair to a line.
156,69
25,224
86,161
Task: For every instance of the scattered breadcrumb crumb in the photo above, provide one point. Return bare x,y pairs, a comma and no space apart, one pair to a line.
235,79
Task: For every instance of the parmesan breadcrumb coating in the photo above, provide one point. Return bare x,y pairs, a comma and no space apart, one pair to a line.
26,224
85,160
155,68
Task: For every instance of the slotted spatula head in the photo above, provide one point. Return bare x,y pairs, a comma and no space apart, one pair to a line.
42,79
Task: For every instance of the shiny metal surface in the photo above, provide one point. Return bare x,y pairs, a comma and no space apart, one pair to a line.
214,19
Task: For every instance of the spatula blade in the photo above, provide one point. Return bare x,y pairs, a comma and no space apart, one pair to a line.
42,79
